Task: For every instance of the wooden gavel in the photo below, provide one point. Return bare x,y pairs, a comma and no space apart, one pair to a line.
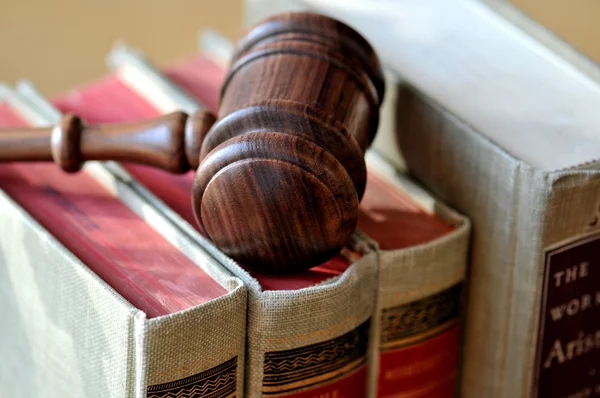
281,172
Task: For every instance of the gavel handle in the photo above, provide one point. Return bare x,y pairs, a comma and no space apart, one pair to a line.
171,142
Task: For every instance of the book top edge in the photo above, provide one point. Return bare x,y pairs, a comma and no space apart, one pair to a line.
487,72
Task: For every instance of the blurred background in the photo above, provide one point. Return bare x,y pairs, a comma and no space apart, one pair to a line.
62,43
575,21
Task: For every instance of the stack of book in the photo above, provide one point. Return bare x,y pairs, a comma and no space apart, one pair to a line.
109,289
159,311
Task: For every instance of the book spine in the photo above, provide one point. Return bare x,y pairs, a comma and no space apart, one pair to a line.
481,181
199,351
419,306
313,342
567,340
58,342
534,258
205,338
195,352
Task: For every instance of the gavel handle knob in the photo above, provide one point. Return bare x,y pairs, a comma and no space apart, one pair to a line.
171,142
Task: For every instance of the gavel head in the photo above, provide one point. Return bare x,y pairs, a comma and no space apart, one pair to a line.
282,170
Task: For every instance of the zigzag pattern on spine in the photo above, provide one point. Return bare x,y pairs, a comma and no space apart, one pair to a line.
324,374
194,392
421,315
312,359
217,382
282,367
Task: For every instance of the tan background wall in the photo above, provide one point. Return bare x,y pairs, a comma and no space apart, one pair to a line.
574,21
62,43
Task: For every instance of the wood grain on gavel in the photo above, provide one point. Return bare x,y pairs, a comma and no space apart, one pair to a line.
281,171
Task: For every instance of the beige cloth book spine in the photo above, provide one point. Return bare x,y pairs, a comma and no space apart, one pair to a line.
505,131
312,341
74,336
533,312
419,306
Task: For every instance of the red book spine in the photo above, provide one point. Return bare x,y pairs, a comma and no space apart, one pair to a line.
419,340
419,348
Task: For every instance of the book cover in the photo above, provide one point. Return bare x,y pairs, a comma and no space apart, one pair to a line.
567,28
423,247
